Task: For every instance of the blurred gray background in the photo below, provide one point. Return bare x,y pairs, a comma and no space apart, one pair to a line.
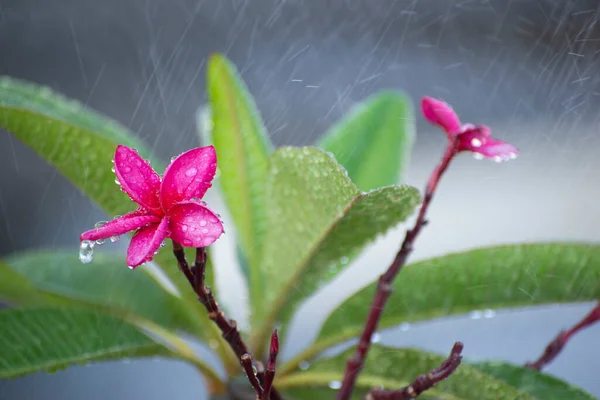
527,68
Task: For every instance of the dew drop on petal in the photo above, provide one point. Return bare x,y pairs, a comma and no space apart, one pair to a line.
304,365
100,242
475,142
203,222
476,314
173,158
114,239
191,172
184,228
127,169
86,251
335,385
112,169
117,182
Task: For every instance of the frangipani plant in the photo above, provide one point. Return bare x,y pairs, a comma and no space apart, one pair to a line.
301,215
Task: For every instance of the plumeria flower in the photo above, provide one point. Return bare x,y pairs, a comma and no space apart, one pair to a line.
468,137
168,208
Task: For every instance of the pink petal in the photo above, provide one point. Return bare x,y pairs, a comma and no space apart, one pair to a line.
188,176
145,242
137,178
118,226
440,113
194,225
478,140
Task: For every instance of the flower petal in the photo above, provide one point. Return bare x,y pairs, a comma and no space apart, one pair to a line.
478,140
194,225
137,178
440,113
118,226
188,176
145,242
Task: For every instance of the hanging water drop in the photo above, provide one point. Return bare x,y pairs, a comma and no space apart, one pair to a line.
86,251
131,267
202,222
478,156
498,159
489,313
335,385
476,314
117,182
512,156
304,365
114,239
376,338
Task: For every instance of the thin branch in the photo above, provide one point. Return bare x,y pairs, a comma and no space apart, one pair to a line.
422,382
270,373
384,286
228,327
555,347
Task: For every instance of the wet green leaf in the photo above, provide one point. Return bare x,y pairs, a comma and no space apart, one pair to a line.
487,278
395,368
49,339
105,283
541,386
317,221
374,141
243,150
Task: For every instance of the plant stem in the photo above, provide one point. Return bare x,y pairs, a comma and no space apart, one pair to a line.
228,327
423,382
384,286
270,373
555,347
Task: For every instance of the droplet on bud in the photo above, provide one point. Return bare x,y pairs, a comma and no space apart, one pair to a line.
86,251
478,156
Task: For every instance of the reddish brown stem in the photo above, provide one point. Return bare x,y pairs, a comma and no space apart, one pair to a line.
555,347
270,373
228,327
384,286
422,382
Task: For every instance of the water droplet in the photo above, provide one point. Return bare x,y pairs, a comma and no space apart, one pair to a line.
184,228
86,251
117,182
254,370
187,242
100,242
203,222
163,244
131,267
476,314
191,172
376,338
304,365
112,169
335,385
99,224
489,313
404,326
478,156
114,239
498,159
173,158
512,156
475,142
344,260
127,169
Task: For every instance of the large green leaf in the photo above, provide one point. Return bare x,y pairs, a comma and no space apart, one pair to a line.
487,278
48,339
106,284
538,385
395,368
243,149
317,220
375,140
80,143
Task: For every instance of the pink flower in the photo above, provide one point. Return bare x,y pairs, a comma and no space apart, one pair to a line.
168,208
476,139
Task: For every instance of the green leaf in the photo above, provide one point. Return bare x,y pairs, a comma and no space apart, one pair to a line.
80,143
76,140
375,140
395,368
487,278
538,385
243,149
317,220
106,283
49,339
